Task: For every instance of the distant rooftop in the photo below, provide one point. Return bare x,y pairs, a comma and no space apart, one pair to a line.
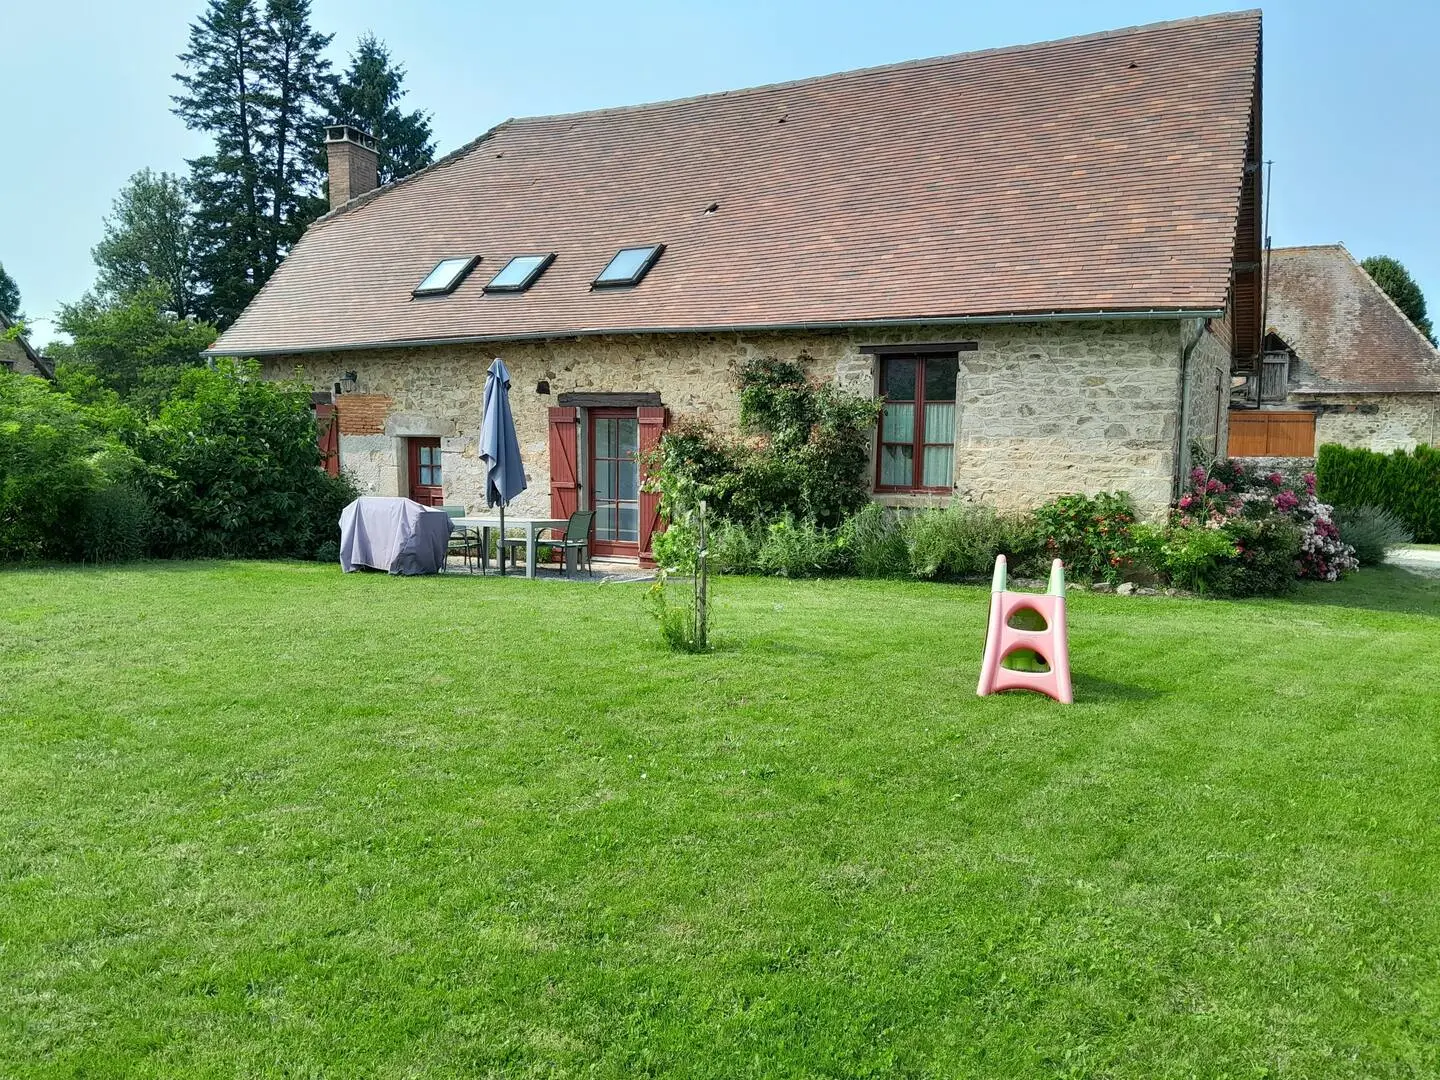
1347,334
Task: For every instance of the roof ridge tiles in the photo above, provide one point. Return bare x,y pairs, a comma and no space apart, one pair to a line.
902,65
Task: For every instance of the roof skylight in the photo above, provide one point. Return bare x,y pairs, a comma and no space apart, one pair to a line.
520,273
628,266
446,277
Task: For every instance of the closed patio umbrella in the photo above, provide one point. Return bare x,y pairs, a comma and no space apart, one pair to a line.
499,447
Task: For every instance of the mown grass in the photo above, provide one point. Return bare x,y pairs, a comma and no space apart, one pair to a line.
266,820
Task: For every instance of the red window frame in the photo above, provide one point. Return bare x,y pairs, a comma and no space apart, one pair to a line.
918,442
426,494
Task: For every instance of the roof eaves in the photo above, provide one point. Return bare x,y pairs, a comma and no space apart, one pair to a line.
1361,388
1116,314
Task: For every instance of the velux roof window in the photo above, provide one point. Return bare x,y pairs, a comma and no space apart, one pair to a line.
446,277
520,273
628,266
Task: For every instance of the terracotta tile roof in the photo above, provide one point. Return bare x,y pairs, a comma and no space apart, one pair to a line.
1346,333
1093,174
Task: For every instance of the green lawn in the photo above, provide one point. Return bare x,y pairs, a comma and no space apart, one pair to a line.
266,820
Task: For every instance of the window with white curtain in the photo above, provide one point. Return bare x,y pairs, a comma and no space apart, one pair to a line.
917,428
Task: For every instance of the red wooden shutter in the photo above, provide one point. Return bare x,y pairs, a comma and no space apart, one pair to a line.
564,475
328,424
652,425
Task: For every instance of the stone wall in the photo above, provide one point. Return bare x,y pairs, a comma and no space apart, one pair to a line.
14,358
1381,422
1042,409
1208,409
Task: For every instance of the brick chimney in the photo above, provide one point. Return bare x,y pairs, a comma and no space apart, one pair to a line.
354,160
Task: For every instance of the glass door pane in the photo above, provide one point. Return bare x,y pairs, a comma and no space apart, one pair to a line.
616,472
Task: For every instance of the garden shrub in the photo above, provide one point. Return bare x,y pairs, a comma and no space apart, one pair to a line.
875,540
234,470
1246,558
962,541
1406,484
1091,534
52,456
1226,492
800,548
116,523
1237,531
814,457
735,548
1372,531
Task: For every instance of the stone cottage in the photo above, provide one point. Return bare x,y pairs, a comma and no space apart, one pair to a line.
16,355
1044,258
1342,364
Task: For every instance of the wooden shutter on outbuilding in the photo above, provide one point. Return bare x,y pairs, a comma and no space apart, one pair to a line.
327,424
1263,433
564,469
653,421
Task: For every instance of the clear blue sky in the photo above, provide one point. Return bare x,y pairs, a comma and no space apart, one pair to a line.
1350,94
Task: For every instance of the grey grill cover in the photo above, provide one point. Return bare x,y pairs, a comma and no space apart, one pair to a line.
397,535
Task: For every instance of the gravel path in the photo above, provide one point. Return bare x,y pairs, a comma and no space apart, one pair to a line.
1421,560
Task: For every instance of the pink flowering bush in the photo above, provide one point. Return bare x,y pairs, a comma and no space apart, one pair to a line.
1264,515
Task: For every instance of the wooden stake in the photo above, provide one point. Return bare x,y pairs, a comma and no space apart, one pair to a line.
702,581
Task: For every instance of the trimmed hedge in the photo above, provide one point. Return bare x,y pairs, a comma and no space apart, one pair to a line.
1408,485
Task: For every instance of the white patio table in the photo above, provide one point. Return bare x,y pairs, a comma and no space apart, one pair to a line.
533,526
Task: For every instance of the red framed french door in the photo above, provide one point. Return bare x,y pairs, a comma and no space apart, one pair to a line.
614,470
427,482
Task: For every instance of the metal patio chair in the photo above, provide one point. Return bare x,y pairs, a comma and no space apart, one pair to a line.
575,537
466,543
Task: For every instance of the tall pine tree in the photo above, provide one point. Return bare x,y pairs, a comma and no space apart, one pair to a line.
368,96
297,83
255,80
222,97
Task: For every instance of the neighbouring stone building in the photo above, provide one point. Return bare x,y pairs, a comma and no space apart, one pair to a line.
1047,301
1342,364
16,355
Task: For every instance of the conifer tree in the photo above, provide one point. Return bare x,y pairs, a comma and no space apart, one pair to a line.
368,95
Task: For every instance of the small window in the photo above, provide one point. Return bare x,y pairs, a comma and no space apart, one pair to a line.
520,273
446,277
628,266
917,428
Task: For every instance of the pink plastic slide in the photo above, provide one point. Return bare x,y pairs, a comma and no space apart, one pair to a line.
1050,644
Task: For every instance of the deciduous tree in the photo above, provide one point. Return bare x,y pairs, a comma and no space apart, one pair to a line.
148,240
1391,275
133,344
9,297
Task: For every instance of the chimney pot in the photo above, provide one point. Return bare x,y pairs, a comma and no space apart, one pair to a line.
354,163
